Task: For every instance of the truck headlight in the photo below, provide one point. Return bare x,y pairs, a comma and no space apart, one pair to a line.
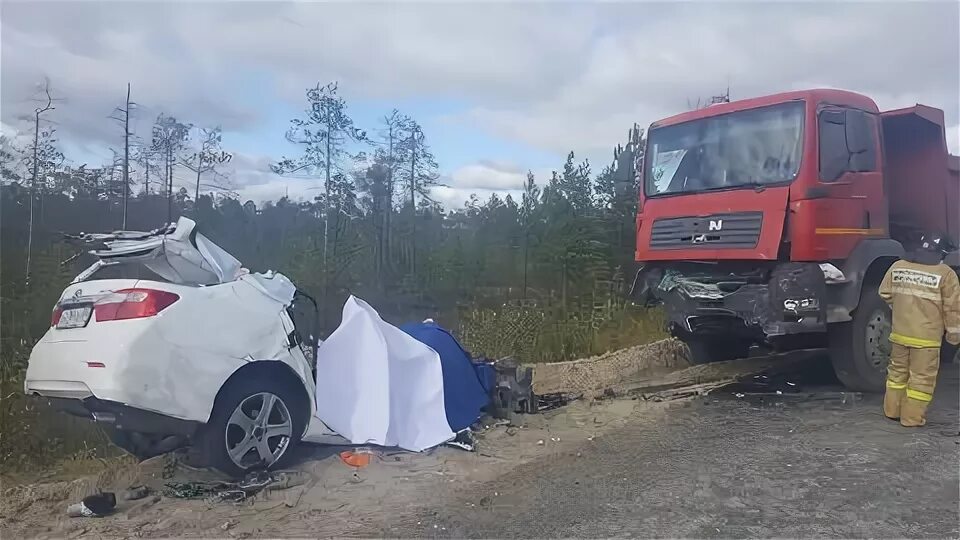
794,305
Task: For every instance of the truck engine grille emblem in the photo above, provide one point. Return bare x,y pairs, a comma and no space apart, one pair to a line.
731,231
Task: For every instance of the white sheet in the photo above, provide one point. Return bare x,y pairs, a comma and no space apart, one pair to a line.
378,385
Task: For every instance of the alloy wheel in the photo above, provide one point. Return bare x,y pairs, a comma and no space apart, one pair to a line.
259,431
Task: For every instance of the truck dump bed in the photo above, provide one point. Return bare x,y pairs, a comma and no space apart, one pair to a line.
923,179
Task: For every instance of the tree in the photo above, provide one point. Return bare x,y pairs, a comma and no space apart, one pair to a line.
123,116
391,132
529,205
419,166
11,161
324,133
575,186
45,157
169,139
373,184
208,157
420,171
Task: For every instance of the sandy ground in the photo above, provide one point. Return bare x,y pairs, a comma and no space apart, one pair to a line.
645,462
335,500
739,463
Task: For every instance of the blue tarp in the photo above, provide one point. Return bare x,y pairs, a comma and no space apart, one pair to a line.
466,386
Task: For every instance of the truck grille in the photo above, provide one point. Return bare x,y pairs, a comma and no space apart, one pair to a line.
740,230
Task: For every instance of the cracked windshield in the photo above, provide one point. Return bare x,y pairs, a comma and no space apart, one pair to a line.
276,269
754,147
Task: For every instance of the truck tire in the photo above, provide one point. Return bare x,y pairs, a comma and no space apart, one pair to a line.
238,438
860,349
717,349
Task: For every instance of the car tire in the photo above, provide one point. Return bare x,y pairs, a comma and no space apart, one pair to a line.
860,349
236,423
717,349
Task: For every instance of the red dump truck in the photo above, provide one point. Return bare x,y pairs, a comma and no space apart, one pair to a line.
771,221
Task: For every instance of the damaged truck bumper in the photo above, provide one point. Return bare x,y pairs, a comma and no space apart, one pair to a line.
767,304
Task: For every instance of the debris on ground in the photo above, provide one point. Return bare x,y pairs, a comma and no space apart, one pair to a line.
356,458
554,400
136,493
97,505
252,484
464,441
513,393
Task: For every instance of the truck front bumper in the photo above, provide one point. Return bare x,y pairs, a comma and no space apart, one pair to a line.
764,306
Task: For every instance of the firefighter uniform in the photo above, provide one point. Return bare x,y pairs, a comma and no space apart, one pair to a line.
925,300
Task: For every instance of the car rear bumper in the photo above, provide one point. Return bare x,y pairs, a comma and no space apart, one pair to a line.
122,417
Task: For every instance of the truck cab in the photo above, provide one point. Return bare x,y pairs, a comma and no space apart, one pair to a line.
771,221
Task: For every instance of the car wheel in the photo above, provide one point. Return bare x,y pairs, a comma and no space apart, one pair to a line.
254,425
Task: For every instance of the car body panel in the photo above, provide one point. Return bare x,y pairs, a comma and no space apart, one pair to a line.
175,362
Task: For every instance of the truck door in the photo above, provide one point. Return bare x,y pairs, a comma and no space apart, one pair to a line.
847,202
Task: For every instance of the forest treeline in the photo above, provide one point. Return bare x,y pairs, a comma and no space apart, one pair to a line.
552,263
541,276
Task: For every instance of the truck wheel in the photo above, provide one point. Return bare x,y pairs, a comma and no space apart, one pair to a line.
716,349
860,349
255,424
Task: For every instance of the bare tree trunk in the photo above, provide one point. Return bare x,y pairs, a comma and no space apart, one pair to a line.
169,183
389,201
326,217
33,190
126,157
196,197
413,203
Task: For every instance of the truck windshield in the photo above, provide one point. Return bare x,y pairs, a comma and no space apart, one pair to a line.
747,148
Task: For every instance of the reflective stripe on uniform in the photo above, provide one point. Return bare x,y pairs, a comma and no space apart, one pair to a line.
918,395
916,343
919,293
896,385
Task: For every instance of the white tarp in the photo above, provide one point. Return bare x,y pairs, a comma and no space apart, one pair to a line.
378,385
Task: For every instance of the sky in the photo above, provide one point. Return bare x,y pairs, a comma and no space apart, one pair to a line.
500,88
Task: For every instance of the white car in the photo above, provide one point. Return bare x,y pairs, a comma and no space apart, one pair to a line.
200,351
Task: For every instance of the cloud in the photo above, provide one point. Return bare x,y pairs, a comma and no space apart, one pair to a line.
899,54
538,76
488,175
456,198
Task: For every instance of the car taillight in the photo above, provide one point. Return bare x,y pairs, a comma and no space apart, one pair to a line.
133,304
55,316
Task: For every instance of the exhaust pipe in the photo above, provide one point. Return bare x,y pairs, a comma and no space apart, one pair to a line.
104,417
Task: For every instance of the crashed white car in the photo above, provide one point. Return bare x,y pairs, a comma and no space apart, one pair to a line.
199,351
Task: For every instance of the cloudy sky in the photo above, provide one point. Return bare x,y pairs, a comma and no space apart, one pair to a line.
500,88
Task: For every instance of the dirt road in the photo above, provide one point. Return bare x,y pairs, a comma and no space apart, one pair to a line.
812,461
817,463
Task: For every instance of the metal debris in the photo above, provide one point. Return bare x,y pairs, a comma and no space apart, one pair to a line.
252,484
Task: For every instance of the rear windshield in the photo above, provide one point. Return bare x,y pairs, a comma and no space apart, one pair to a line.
124,271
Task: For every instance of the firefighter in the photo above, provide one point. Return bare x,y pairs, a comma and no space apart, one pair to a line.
924,295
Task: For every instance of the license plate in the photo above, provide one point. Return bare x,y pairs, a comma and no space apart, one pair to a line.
75,317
